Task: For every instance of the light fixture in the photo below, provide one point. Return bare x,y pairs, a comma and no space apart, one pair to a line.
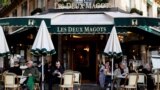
20,44
76,36
133,51
101,37
86,49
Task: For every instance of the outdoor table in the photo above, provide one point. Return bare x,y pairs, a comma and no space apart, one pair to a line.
22,78
23,68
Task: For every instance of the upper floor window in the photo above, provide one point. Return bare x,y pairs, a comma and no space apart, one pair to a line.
14,13
24,9
41,3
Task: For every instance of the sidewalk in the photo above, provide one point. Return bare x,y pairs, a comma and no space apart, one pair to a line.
83,87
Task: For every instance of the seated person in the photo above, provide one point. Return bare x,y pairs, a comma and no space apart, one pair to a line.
32,74
16,69
57,72
124,72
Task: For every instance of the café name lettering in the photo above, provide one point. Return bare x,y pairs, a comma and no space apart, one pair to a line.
81,29
83,5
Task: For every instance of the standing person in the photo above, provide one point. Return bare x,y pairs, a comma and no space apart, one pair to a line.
148,71
117,73
48,70
32,73
107,72
57,72
101,76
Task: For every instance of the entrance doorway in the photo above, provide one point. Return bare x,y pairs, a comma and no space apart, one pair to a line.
84,60
81,55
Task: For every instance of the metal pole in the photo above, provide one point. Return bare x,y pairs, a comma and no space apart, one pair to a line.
112,74
42,73
112,67
158,79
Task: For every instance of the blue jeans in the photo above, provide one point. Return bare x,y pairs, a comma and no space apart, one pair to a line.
107,80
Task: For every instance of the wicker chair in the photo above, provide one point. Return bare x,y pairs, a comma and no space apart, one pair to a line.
67,81
9,81
156,80
142,81
132,81
77,79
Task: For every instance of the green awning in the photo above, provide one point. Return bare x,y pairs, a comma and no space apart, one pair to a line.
29,22
136,21
150,30
125,21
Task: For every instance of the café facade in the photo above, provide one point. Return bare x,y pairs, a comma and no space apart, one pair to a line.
79,36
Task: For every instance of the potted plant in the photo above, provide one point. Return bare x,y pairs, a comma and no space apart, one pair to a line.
135,10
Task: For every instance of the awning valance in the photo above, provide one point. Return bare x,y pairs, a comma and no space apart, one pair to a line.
136,21
23,21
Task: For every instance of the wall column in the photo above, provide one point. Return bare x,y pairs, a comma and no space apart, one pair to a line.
143,54
60,47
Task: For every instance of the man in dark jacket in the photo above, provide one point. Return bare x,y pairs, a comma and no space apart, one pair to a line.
48,69
15,69
57,73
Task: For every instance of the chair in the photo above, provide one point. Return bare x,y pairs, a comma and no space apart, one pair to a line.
132,81
36,86
67,81
9,81
156,80
142,81
77,78
3,74
68,71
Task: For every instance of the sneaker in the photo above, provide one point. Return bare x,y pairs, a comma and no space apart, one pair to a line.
109,84
107,89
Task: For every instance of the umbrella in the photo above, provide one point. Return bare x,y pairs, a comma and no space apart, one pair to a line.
113,48
43,45
4,50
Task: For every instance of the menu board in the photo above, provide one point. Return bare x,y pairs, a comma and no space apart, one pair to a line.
156,62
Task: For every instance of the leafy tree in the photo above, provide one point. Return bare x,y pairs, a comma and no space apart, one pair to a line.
5,2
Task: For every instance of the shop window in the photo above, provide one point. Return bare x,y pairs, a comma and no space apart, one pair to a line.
149,10
158,12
